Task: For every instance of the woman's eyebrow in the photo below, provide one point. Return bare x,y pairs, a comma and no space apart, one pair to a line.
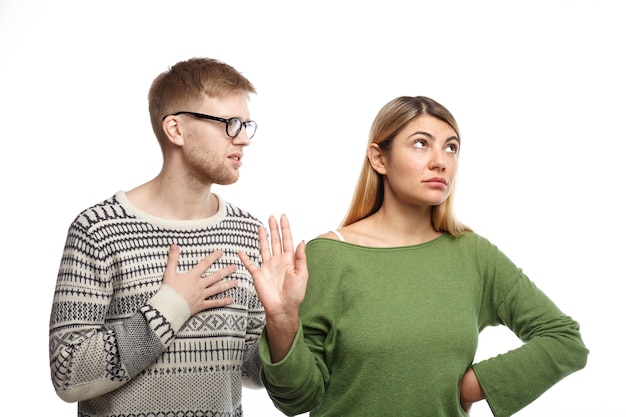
451,138
419,132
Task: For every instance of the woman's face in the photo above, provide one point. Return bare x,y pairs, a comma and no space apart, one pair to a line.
421,164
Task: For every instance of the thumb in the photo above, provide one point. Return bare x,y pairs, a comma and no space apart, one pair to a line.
247,262
172,261
300,257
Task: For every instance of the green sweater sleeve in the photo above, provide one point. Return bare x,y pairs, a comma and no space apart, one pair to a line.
552,345
294,384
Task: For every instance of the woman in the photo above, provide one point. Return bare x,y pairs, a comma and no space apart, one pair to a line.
399,293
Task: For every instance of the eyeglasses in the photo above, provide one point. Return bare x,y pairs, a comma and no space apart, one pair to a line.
233,125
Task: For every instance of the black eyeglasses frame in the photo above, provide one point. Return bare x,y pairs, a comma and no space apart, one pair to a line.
242,124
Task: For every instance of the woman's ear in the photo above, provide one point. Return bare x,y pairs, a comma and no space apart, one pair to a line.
173,130
376,158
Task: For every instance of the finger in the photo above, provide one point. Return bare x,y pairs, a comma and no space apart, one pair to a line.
220,287
218,275
286,232
173,255
217,303
300,258
277,246
207,261
263,245
247,262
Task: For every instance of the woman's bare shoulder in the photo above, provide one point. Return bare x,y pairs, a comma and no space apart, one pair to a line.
329,235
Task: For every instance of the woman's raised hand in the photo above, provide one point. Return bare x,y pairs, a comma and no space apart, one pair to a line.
281,279
280,282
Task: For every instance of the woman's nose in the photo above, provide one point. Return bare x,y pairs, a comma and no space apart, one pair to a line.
437,161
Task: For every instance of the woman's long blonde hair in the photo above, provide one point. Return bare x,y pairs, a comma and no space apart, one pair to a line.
391,119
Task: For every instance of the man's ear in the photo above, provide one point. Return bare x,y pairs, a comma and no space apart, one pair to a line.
173,130
376,158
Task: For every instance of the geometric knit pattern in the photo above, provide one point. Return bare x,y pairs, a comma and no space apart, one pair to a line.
122,345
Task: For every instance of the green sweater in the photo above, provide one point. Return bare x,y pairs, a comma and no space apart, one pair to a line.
391,331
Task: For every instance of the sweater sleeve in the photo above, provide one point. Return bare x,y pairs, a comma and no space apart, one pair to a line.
88,355
552,345
297,383
252,359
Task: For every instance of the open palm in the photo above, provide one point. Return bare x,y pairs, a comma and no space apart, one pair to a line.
281,279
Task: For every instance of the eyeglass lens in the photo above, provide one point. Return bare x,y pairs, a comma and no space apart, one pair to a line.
234,127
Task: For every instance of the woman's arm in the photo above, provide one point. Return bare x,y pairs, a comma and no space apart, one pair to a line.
280,283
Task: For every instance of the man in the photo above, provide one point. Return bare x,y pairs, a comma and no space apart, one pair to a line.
153,312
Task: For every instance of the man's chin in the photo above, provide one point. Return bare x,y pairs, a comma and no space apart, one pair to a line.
227,181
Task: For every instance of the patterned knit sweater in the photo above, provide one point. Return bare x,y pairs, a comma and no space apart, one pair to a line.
122,344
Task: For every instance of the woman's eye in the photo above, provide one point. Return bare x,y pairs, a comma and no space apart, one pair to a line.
420,144
452,148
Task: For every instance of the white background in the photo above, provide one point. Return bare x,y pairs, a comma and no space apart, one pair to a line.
537,88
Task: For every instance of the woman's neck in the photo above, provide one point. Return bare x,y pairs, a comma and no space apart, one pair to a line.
391,228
